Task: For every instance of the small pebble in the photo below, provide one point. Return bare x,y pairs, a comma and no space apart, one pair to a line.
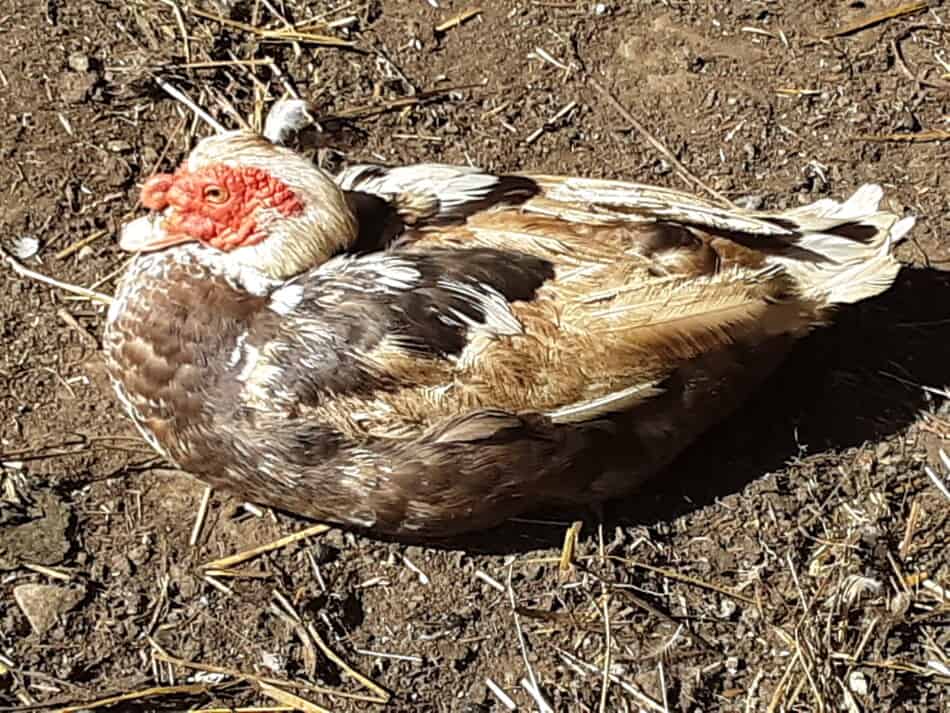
79,62
118,146
858,683
727,608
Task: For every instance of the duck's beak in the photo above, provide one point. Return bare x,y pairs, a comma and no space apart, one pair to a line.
147,234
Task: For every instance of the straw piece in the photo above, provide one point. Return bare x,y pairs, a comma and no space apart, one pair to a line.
289,699
462,17
877,18
231,560
136,696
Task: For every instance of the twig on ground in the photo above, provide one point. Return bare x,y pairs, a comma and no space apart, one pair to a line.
24,271
231,560
918,138
877,18
184,99
655,143
533,689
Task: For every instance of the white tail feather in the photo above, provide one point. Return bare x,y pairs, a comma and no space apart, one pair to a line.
848,270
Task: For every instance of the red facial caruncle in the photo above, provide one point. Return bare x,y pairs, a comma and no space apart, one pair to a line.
218,205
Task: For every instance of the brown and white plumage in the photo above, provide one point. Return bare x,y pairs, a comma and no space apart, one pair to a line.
431,349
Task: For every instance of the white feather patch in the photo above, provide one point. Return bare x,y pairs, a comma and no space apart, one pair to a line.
397,275
608,403
499,319
238,350
251,355
286,299
452,186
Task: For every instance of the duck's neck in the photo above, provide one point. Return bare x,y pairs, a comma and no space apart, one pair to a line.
177,321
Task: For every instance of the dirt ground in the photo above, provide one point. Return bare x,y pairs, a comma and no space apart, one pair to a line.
794,560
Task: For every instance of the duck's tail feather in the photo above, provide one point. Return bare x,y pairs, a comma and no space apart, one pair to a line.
842,251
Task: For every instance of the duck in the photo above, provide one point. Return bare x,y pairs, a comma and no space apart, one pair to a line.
427,350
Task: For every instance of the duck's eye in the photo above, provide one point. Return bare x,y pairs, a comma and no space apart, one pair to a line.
215,193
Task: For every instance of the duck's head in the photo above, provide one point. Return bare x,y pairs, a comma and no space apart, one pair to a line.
263,205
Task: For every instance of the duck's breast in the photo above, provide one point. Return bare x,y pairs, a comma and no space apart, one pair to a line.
173,339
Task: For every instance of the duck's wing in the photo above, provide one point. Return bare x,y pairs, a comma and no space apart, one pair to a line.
432,194
393,344
426,198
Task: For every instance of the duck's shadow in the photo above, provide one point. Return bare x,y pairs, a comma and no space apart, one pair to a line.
854,382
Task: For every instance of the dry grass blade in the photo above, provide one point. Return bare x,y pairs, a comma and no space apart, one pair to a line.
285,35
156,692
177,94
48,572
239,573
243,676
781,687
74,324
373,110
570,546
919,138
382,694
80,244
636,599
231,560
200,517
287,609
209,64
459,19
502,697
937,481
536,696
180,20
605,682
685,578
530,684
220,586
289,699
585,669
252,709
877,18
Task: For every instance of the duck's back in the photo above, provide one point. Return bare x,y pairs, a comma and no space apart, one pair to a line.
639,282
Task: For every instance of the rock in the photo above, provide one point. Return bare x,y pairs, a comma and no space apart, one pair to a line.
43,603
727,608
79,62
77,88
39,540
858,683
118,146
